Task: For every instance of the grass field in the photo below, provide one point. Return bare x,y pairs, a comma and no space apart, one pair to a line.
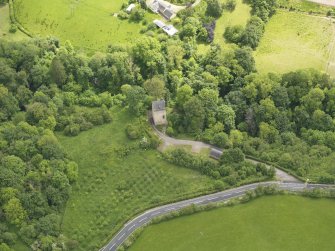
287,223
295,40
305,6
88,24
5,25
111,189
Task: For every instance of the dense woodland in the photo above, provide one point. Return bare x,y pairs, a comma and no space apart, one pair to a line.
218,97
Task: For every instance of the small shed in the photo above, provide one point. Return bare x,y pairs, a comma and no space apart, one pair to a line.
159,23
215,153
159,112
130,7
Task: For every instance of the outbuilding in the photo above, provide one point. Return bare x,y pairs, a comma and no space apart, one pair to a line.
169,29
159,112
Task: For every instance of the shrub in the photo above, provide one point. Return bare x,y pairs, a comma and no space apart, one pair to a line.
123,15
13,28
133,131
233,34
230,5
214,8
137,14
230,156
72,130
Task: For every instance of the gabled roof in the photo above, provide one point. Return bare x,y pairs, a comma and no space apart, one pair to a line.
158,105
159,23
169,29
167,13
215,154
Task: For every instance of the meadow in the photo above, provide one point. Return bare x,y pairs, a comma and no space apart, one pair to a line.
283,222
296,40
305,6
111,189
88,24
5,26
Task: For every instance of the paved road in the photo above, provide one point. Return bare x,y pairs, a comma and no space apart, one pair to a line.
147,216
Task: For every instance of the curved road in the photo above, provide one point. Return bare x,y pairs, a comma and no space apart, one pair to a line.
197,146
148,215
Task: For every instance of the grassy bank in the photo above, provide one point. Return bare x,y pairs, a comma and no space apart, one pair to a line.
111,189
268,223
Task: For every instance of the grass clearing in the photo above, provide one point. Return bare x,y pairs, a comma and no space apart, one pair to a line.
294,41
268,223
88,24
110,189
239,16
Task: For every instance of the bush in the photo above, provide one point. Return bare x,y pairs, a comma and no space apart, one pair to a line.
72,130
231,156
133,131
233,34
13,28
214,8
137,14
123,15
230,5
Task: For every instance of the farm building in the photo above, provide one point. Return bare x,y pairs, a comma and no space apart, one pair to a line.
159,112
130,7
162,8
169,29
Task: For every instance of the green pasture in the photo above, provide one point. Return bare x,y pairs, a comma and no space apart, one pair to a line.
88,24
305,6
111,189
5,25
287,223
296,40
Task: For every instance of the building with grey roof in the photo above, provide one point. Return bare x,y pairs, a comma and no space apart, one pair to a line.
159,112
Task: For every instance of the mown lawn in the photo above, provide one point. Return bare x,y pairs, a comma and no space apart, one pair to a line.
268,223
88,24
295,40
110,189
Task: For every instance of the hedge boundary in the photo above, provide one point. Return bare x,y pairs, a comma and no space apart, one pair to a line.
290,172
14,20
